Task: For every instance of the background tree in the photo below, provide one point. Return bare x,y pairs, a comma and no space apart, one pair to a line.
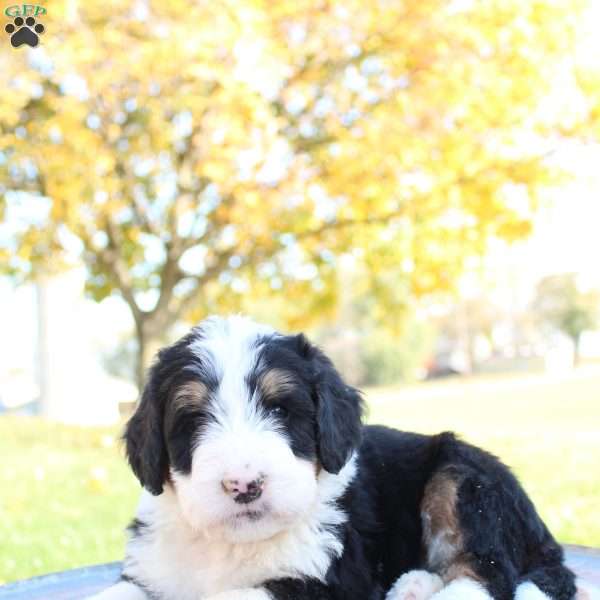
198,156
562,306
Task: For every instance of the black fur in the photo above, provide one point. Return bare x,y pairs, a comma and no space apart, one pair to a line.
144,441
137,527
324,414
156,435
506,541
339,410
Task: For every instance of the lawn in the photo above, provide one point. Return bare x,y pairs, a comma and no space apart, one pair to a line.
66,493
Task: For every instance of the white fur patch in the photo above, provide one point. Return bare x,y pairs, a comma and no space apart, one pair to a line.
245,452
462,589
415,585
530,591
440,549
121,591
177,561
251,594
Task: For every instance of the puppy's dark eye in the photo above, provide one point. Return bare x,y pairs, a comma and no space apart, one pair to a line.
278,411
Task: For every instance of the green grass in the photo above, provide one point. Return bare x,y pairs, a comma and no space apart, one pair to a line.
547,429
66,493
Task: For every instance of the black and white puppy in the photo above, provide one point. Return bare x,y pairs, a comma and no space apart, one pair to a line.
261,483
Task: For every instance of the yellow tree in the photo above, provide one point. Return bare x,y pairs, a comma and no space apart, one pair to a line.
201,155
562,306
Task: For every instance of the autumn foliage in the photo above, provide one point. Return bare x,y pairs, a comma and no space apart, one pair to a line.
201,155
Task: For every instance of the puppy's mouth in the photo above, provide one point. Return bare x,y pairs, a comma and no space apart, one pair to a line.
249,515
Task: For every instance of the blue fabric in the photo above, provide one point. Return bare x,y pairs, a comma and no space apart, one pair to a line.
68,585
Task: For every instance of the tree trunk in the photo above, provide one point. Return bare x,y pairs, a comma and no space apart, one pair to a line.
140,362
146,345
576,350
150,330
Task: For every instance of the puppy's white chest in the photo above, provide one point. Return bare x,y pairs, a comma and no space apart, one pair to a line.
200,569
168,558
195,569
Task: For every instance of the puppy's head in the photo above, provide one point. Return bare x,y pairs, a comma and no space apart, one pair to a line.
238,421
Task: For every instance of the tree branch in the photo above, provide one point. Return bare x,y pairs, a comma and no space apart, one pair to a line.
218,266
344,223
111,259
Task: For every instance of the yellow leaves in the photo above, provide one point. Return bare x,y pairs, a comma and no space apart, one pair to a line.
254,119
514,230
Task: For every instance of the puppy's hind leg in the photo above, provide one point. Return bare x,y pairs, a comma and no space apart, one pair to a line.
480,530
445,543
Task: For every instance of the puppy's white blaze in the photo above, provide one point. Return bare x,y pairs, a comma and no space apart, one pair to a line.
241,442
229,345
529,591
462,589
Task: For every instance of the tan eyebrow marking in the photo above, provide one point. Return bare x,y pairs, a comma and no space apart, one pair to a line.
276,381
191,393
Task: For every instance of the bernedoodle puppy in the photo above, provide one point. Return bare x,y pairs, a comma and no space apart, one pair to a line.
261,483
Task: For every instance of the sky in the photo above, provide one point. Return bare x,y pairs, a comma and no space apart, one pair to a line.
566,236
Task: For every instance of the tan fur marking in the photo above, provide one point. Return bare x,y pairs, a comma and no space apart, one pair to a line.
276,381
442,536
191,394
458,570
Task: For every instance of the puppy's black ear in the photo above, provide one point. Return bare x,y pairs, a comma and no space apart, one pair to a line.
339,410
144,439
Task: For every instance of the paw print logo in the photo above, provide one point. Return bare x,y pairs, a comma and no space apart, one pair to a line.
24,31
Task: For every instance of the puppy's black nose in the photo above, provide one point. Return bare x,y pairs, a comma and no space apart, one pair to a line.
244,492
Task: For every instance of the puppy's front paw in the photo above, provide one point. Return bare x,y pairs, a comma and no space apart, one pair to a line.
415,585
463,589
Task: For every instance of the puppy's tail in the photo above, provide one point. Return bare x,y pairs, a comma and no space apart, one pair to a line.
439,450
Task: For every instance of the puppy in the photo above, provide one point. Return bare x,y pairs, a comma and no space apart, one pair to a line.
261,483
